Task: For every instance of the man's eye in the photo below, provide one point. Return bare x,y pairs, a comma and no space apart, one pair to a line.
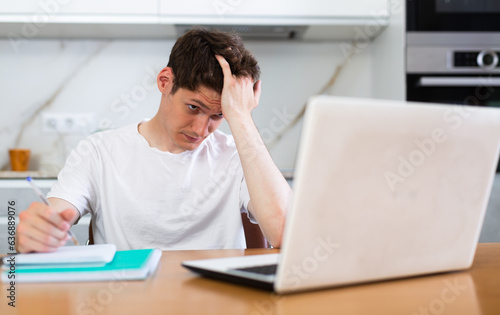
218,116
193,107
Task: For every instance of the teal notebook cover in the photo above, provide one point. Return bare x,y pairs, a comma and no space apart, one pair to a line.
126,265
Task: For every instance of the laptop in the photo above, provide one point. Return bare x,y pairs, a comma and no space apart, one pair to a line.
383,190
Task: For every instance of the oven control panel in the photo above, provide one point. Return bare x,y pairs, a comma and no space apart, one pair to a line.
485,59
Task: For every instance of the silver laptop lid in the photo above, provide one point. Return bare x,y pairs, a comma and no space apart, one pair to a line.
387,189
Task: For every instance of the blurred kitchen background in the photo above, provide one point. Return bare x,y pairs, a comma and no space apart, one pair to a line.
69,68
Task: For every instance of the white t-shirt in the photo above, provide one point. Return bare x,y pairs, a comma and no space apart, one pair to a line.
141,197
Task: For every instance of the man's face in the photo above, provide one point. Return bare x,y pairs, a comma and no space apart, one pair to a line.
189,117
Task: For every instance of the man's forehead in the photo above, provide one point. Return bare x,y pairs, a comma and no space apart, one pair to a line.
209,97
203,96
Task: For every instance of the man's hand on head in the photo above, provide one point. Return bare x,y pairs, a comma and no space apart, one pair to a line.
269,192
239,95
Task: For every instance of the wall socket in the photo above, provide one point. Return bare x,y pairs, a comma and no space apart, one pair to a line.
68,123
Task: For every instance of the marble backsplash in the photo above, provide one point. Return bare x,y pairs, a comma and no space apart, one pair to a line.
116,81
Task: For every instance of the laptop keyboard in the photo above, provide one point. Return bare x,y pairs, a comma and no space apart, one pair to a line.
263,270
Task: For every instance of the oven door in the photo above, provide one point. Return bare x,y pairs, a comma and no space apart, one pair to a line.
453,15
454,89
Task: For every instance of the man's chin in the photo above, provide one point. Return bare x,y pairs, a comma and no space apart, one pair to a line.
187,143
190,146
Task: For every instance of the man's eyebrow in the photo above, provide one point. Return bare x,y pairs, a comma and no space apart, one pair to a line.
200,103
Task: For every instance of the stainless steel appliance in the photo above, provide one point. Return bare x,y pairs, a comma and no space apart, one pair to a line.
453,15
453,52
457,68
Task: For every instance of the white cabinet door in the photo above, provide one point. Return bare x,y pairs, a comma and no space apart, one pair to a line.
56,7
79,18
274,8
281,19
20,7
310,19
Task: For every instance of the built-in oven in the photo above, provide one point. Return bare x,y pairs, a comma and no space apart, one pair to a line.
455,68
453,51
453,15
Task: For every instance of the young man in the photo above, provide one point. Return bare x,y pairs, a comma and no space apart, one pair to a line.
175,181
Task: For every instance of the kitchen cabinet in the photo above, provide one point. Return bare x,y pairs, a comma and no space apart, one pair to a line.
30,19
317,19
281,19
313,9
79,9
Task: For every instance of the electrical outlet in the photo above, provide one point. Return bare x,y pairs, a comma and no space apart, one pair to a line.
68,123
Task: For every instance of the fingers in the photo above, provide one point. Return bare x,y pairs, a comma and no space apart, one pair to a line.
69,215
41,229
239,94
226,69
33,240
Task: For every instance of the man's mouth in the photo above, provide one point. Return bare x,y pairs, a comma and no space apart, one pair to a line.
192,139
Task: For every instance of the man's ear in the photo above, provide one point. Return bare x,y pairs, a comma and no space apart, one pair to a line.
165,80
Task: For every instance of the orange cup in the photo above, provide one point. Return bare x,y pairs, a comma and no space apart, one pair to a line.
19,159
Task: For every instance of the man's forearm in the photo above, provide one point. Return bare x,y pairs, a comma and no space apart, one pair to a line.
268,189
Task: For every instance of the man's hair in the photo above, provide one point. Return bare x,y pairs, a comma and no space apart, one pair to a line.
193,61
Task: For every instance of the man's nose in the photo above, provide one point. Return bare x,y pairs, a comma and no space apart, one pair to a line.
201,125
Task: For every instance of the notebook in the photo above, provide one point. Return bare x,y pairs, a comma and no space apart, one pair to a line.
67,255
383,190
125,265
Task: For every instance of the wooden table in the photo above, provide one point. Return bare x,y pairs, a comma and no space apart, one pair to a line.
175,290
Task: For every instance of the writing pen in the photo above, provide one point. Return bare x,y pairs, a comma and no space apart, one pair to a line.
45,201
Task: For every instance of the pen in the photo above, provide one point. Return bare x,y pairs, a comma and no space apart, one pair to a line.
45,201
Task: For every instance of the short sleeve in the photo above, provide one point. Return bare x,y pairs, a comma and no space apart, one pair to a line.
74,182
